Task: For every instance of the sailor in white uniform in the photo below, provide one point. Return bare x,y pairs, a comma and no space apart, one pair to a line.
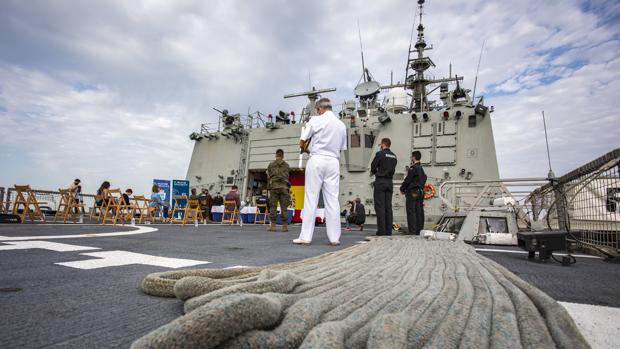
328,138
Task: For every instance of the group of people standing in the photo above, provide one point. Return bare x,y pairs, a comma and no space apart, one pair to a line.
383,167
322,175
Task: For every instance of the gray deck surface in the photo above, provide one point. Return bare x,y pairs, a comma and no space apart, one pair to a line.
53,306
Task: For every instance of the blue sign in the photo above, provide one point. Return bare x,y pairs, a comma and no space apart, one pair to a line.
180,187
164,189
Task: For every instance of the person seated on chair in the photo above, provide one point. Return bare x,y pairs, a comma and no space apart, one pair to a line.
102,194
206,201
357,214
127,196
156,202
233,195
193,196
262,200
218,200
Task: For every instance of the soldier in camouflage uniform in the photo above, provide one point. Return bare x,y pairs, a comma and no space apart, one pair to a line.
278,172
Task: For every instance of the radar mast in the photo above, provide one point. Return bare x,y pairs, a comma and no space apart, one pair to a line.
417,64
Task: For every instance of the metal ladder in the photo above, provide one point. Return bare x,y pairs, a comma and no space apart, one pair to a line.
245,141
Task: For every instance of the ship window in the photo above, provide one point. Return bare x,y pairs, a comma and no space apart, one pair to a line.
230,180
355,140
497,225
369,141
451,225
439,127
472,121
613,200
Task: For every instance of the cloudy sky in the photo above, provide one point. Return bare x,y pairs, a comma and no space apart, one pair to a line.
112,89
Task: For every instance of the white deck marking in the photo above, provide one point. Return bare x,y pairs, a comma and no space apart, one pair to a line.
598,324
140,230
523,252
44,245
119,258
237,267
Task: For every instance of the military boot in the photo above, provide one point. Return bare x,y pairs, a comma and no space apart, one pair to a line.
284,227
272,227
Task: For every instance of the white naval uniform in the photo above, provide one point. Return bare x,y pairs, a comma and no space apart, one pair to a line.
329,138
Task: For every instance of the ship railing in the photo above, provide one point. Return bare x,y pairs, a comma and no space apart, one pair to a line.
584,202
511,193
49,200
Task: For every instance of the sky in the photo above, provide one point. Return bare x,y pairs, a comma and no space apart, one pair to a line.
110,90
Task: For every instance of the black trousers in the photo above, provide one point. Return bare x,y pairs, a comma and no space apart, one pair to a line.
415,213
382,196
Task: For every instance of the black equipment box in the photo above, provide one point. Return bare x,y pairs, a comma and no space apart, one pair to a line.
543,242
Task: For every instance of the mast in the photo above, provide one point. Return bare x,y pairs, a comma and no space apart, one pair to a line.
418,63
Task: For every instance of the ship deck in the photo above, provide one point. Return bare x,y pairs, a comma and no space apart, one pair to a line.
76,286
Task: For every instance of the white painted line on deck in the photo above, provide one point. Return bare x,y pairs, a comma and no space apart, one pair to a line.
525,252
44,245
120,258
598,324
139,230
237,267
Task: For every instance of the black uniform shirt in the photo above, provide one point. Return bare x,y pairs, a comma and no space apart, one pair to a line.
416,178
384,164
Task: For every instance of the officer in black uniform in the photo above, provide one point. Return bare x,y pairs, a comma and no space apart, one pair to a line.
413,188
383,166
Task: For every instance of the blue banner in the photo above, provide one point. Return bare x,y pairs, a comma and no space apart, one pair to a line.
164,189
180,187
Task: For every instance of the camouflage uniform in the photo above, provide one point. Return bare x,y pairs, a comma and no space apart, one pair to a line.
278,172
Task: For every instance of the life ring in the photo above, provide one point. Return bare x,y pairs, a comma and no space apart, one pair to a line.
429,191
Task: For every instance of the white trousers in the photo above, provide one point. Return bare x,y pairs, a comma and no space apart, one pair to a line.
322,174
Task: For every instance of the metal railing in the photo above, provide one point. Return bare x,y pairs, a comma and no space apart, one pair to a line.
585,202
512,193
49,200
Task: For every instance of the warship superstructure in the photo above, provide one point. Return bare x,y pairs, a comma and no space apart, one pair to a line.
453,133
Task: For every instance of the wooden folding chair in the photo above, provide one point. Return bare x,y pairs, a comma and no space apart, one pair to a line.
127,210
265,219
141,207
94,208
113,206
193,211
26,202
179,203
63,205
230,208
76,208
67,206
2,203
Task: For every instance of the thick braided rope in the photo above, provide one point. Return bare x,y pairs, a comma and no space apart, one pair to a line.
396,292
